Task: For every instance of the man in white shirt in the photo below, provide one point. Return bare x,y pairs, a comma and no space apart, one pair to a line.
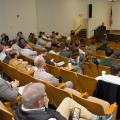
114,78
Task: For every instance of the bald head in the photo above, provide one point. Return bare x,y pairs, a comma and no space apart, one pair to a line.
31,94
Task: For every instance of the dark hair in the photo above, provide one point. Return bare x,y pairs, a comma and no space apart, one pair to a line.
57,33
19,33
43,50
63,46
109,52
115,69
75,53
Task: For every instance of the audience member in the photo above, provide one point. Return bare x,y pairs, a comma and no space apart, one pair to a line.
16,45
108,60
58,36
2,52
116,54
19,65
43,75
4,39
64,52
34,101
27,51
32,38
41,41
48,46
44,54
21,40
78,60
103,46
8,91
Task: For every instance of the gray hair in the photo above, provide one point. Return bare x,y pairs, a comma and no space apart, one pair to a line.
32,93
39,60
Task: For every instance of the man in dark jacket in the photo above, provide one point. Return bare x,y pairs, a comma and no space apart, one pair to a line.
35,102
34,105
8,91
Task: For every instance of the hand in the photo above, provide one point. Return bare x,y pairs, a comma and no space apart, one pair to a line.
15,84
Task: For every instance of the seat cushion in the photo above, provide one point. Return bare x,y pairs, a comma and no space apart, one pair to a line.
104,103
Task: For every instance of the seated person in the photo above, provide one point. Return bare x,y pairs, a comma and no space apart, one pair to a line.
32,38
48,46
19,65
41,41
21,39
44,52
115,70
78,60
103,47
108,60
44,36
35,102
16,45
27,51
41,73
58,36
117,54
89,57
4,39
2,52
54,39
77,45
64,52
8,91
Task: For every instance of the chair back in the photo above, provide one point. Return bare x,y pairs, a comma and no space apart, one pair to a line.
4,113
87,84
103,68
58,58
53,70
70,76
93,107
57,95
28,59
90,69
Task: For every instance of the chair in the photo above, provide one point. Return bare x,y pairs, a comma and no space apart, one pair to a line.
90,69
4,113
37,50
28,59
57,58
10,71
103,68
86,84
95,107
53,70
69,76
56,95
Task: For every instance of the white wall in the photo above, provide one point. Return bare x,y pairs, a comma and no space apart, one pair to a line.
49,15
59,15
116,15
101,9
10,24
